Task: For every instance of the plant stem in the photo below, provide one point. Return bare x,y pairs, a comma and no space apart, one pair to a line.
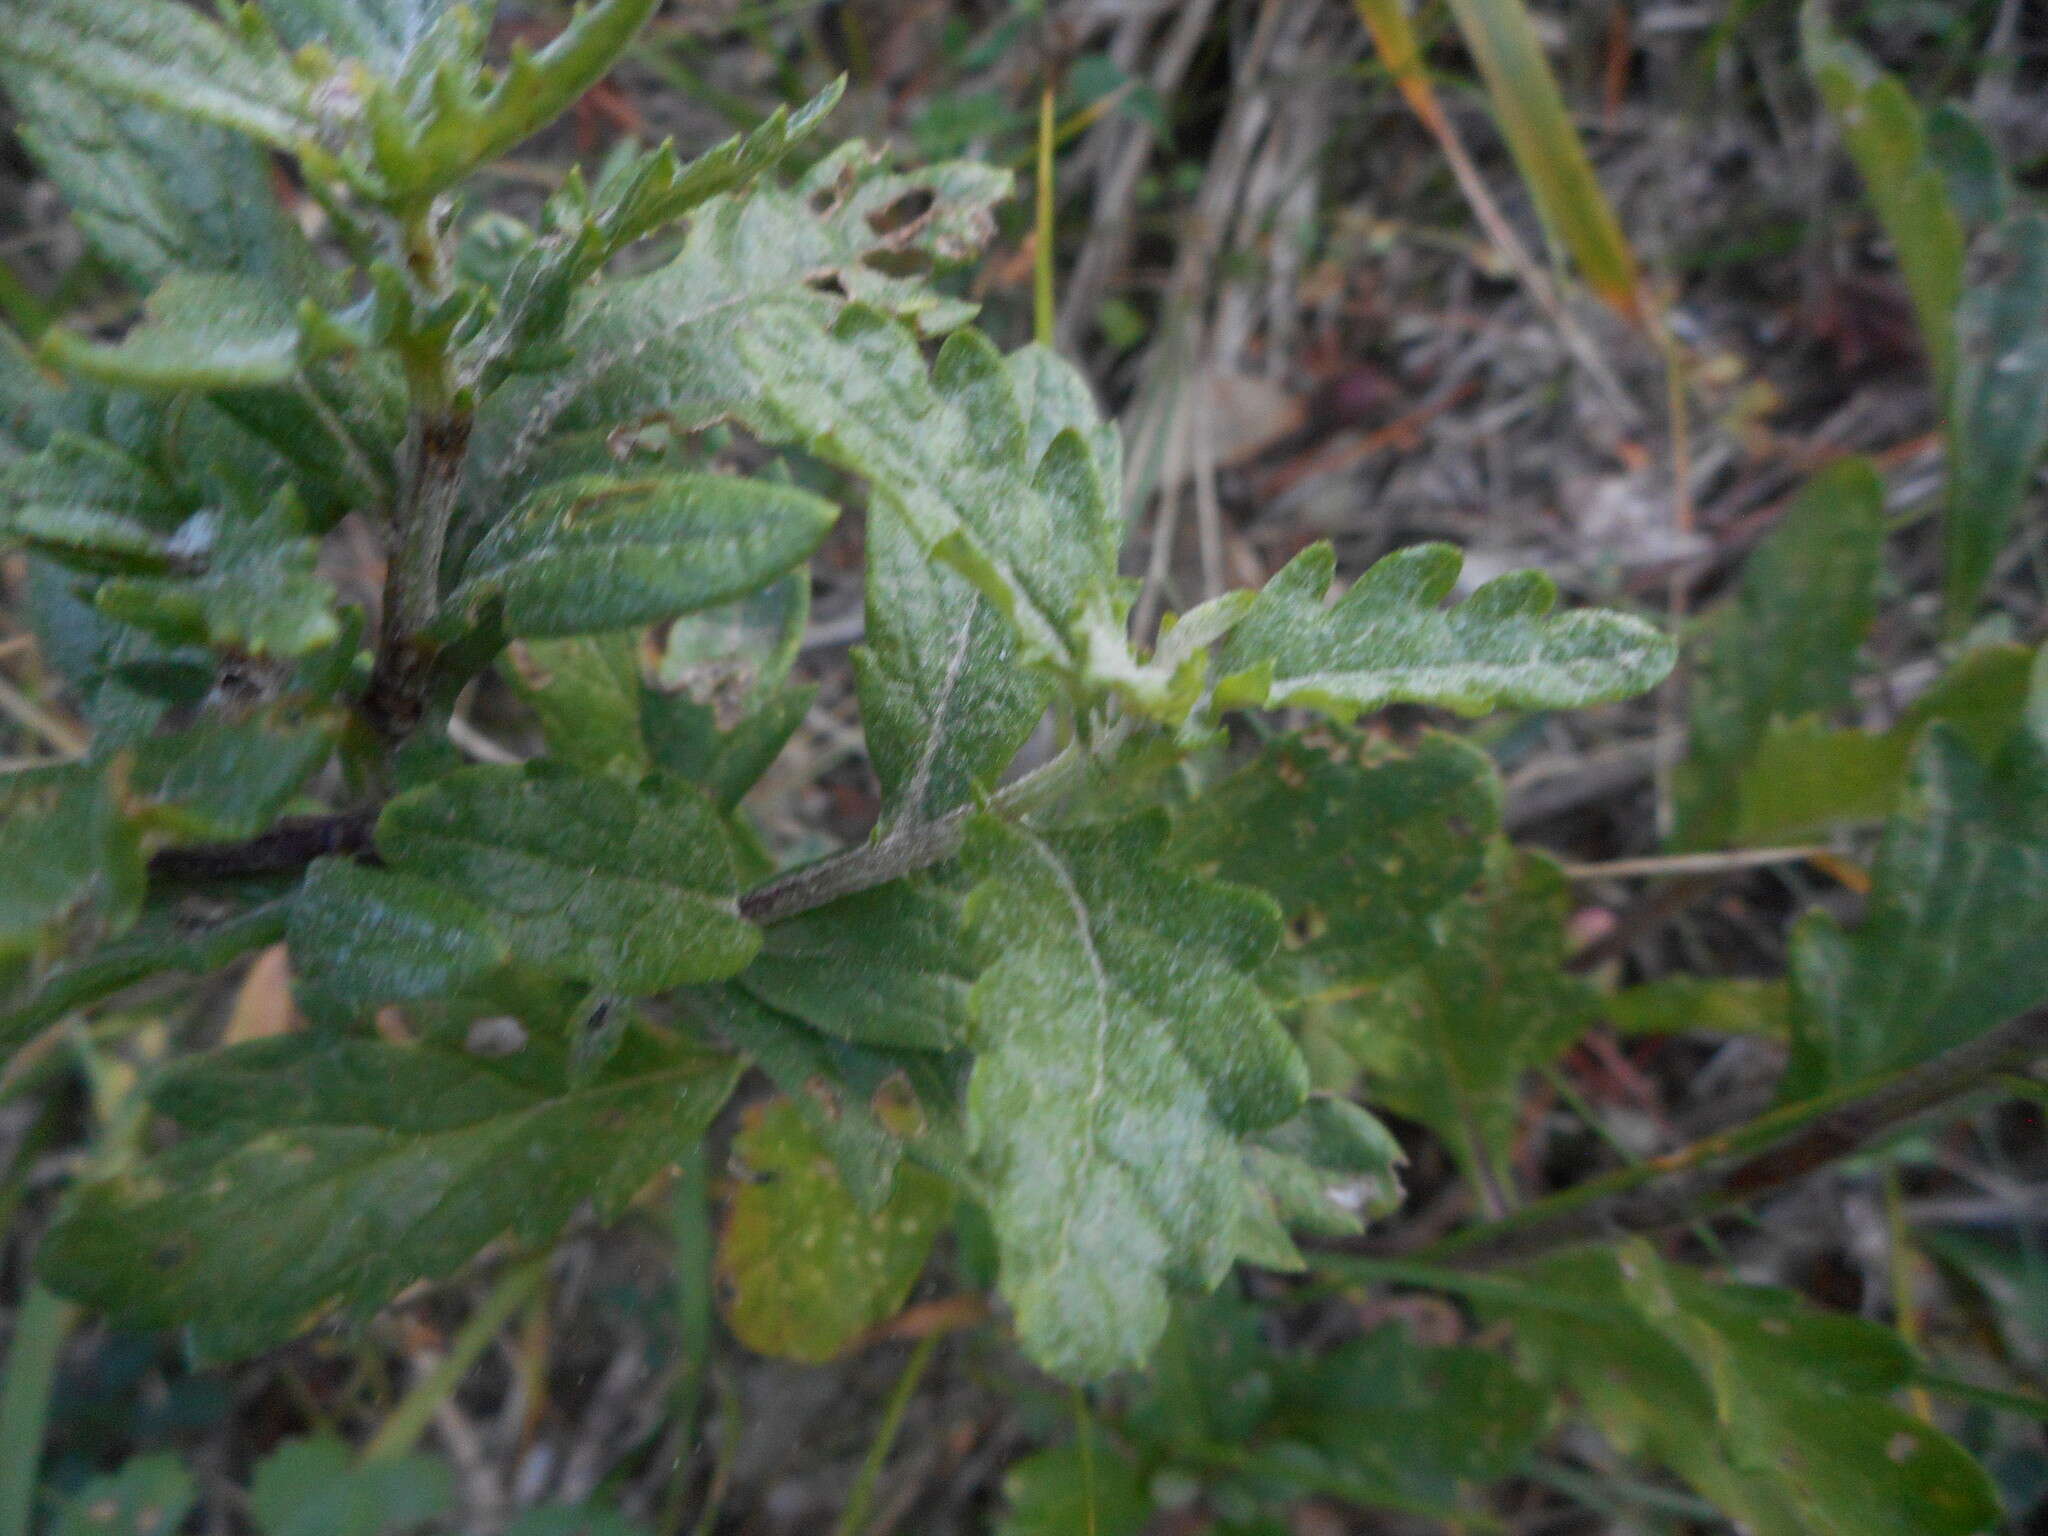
853,1520
1751,1160
436,451
1045,311
409,1419
40,1325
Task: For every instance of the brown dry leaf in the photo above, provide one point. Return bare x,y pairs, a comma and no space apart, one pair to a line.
263,1007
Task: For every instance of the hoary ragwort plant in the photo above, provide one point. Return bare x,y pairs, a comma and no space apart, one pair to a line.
1115,1008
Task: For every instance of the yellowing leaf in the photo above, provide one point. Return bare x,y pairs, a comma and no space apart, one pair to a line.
809,1270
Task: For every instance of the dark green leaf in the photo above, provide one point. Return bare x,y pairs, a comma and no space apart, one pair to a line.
1959,147
1998,411
1786,646
809,1270
217,782
1954,938
586,691
328,1171
364,937
149,1496
1360,845
317,1488
630,888
1777,1414
598,554
1447,1042
1388,641
887,967
69,850
1059,1493
1121,1047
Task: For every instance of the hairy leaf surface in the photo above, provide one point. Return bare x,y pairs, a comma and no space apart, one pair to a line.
1388,641
1121,1048
328,1171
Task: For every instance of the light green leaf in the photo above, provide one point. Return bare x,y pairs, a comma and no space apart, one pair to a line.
630,888
1120,1048
1887,139
90,506
1998,410
887,967
257,589
157,53
650,191
362,937
325,1171
1387,641
1806,778
199,330
317,1488
597,553
1329,1169
1778,1414
948,452
1728,1005
810,1271
1362,846
1448,1041
586,691
660,347
1786,646
423,143
1954,937
149,1496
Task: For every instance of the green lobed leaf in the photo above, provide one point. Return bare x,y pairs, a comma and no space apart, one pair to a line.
1361,845
1778,1414
1785,647
1387,641
1727,1005
362,937
199,330
628,887
808,1270
950,452
149,1496
1327,1171
89,505
1954,936
1998,410
659,347
1447,1042
886,967
597,553
423,143
316,1487
383,33
324,1171
159,54
1120,1049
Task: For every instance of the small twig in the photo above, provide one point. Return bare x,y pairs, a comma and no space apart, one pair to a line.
854,1519
285,849
1664,866
53,728
1750,1161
